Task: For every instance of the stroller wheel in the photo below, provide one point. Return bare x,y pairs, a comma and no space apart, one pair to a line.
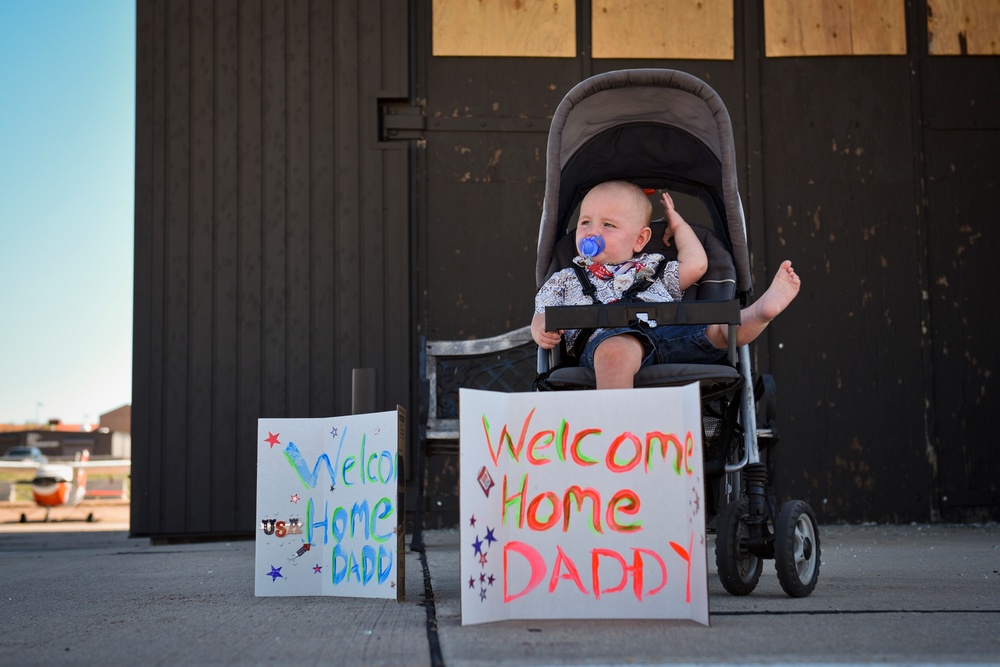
796,549
739,569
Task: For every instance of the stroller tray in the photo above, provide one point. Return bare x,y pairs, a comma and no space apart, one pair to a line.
604,316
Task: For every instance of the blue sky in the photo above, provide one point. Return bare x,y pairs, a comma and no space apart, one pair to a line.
67,164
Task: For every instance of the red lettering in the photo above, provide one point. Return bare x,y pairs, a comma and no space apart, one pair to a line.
663,570
535,564
571,572
595,565
539,442
576,493
561,440
611,460
518,498
495,454
579,458
627,502
533,522
636,570
515,452
686,555
664,440
688,453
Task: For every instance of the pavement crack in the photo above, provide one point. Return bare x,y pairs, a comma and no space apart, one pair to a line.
433,640
851,612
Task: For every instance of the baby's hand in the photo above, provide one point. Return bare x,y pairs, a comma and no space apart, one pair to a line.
548,339
672,218
544,339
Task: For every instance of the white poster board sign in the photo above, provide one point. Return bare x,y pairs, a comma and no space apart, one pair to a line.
582,504
330,506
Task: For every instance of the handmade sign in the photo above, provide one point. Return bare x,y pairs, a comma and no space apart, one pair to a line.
582,505
330,506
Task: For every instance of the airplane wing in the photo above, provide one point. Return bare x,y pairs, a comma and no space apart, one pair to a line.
18,466
107,467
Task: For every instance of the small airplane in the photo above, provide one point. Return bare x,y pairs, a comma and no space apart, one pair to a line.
64,483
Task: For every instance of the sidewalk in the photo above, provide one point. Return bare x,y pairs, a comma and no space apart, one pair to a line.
887,594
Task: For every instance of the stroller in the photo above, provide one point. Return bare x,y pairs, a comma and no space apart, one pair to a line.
667,130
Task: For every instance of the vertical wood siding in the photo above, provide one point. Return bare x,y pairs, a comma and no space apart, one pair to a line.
271,258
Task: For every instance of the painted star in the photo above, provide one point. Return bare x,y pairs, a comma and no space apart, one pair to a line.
317,569
491,579
275,573
472,521
472,582
295,498
482,578
272,438
333,487
334,432
490,538
482,595
478,546
482,558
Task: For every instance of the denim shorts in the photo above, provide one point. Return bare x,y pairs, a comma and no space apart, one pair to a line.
684,344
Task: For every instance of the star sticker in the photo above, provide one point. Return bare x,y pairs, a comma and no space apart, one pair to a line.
272,438
482,558
490,580
317,569
472,582
478,545
482,595
482,578
295,498
472,521
334,432
490,538
275,573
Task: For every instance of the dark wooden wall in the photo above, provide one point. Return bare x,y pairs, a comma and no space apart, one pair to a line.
272,249
875,174
283,239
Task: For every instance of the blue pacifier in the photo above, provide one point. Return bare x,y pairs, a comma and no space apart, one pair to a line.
591,246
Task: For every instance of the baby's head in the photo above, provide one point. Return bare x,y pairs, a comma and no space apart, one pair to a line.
619,213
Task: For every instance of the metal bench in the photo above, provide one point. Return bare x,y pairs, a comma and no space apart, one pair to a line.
507,362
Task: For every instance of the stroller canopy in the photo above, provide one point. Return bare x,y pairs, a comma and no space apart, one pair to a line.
656,128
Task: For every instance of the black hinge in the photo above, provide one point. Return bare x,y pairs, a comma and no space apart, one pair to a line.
399,119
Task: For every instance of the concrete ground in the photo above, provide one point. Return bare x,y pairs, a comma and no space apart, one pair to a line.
87,593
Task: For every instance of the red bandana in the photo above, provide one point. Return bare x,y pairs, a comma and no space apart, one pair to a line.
600,271
604,273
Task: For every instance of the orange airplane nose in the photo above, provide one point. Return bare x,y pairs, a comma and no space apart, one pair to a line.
51,495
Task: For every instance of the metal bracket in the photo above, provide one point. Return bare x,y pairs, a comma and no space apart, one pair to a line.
398,119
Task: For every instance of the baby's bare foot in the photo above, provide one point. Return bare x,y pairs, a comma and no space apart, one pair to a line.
783,289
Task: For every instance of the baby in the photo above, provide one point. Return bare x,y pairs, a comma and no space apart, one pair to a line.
619,213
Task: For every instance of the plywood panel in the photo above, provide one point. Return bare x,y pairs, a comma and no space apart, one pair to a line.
834,27
504,28
663,29
963,27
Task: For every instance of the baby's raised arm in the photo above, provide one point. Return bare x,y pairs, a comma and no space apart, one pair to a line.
690,253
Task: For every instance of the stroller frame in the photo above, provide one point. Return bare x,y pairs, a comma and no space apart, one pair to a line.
665,129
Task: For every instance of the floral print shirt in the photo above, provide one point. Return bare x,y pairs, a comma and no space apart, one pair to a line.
564,289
